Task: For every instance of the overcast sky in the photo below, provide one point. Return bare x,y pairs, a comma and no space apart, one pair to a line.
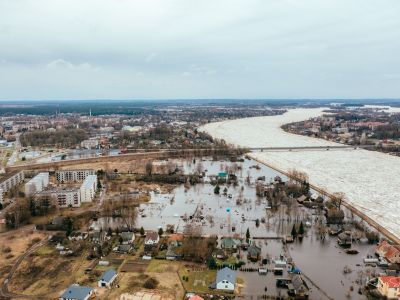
126,49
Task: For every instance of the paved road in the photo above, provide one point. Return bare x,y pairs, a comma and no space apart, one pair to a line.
4,292
14,156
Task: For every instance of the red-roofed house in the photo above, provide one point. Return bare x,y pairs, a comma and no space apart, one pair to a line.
389,286
390,252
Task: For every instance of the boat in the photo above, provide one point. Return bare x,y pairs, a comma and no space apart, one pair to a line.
352,251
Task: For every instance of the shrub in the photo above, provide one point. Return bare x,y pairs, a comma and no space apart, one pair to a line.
150,283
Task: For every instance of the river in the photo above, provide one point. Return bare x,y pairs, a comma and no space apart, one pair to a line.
370,180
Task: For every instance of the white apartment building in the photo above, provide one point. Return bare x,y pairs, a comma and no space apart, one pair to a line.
88,188
65,198
73,175
90,144
37,183
9,181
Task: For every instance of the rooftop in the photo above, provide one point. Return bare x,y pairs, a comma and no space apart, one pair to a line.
77,292
226,274
391,281
108,275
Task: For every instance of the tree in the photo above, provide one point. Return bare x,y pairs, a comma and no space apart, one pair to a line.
99,186
68,226
149,168
160,231
337,199
294,231
141,231
247,235
32,207
301,228
211,263
216,189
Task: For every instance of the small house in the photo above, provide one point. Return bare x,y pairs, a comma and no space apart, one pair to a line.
175,239
152,238
390,252
344,239
108,278
172,254
76,292
254,253
229,243
297,288
123,249
334,229
226,280
127,237
389,286
301,199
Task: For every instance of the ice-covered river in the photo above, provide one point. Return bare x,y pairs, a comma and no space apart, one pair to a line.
370,180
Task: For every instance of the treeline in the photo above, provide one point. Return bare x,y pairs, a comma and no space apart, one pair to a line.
62,138
391,131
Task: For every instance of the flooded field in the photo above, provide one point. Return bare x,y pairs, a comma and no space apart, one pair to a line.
369,179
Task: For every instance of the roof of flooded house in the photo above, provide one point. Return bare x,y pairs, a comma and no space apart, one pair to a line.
391,281
175,237
126,235
254,250
229,242
226,274
388,250
151,236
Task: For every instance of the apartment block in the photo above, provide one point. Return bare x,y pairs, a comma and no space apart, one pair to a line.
37,183
63,176
88,188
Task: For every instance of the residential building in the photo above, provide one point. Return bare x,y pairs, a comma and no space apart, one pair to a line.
63,176
88,188
229,243
37,183
127,237
254,253
65,198
9,181
152,238
389,287
76,292
226,280
90,144
108,278
390,252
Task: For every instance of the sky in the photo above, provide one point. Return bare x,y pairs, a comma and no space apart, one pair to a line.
190,49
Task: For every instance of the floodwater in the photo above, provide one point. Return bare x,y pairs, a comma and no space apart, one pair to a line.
321,261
